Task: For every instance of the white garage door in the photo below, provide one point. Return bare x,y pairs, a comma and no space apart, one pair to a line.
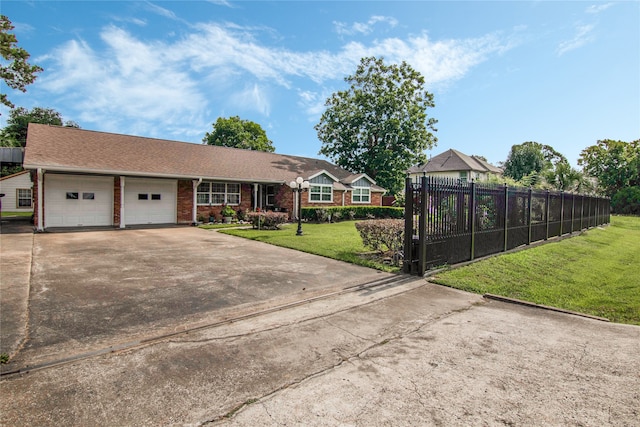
150,201
77,200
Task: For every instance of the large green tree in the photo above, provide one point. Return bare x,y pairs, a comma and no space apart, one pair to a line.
15,133
531,158
16,72
379,125
615,164
237,133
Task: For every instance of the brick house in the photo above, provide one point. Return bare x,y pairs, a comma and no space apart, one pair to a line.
89,178
455,165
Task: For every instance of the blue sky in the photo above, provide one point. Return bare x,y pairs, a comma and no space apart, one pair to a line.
565,74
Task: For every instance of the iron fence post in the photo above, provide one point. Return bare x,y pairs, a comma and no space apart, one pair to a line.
473,219
506,216
561,212
422,225
573,208
529,219
408,226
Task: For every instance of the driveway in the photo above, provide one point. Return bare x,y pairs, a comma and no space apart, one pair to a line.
95,289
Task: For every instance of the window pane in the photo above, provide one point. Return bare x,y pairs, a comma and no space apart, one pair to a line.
233,188
143,197
217,188
233,199
326,197
327,190
203,187
203,199
72,196
155,197
88,196
314,197
217,199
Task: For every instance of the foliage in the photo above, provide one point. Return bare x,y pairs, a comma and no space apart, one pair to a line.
379,125
615,164
267,220
593,273
383,235
227,211
15,133
16,72
339,241
336,213
626,201
4,358
237,133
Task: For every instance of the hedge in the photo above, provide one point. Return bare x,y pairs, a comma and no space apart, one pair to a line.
341,213
267,220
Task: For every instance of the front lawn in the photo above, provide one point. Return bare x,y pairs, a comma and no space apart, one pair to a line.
339,241
596,273
14,214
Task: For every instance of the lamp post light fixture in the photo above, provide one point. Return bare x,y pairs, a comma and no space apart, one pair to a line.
299,186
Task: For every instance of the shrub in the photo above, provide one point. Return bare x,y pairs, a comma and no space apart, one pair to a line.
626,201
316,214
383,235
267,220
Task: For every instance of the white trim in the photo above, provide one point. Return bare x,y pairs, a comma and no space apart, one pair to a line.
122,211
71,170
40,173
323,172
321,186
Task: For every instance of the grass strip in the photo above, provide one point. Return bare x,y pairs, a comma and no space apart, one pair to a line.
596,273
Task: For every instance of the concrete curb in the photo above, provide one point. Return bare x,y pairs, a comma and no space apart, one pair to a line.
544,307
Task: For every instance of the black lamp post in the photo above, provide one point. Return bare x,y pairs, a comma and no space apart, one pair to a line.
299,186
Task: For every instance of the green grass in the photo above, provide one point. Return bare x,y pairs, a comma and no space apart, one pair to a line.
219,226
339,241
596,273
10,214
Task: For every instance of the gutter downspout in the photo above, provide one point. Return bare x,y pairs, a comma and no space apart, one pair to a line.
256,205
122,210
40,173
194,215
344,195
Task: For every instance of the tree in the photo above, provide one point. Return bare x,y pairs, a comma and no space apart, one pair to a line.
16,72
237,133
615,164
531,158
15,133
379,125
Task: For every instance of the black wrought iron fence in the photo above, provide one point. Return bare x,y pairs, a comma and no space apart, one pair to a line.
448,221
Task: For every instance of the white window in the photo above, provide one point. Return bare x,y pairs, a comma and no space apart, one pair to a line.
361,195
218,193
23,198
321,193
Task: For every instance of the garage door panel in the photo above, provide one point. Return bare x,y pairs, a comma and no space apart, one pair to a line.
150,201
78,200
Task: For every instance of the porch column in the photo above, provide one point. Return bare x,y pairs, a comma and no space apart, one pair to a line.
122,224
194,216
40,174
256,202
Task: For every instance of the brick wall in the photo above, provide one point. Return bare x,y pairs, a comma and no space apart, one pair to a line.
36,201
116,201
185,201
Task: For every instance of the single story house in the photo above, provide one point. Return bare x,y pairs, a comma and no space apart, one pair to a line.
18,194
456,165
90,178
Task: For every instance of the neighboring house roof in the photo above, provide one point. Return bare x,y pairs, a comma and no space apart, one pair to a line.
67,149
14,175
453,160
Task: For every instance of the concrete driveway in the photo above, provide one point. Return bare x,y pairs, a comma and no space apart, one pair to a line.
94,289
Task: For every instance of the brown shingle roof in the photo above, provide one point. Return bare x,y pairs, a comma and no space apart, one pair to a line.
454,160
57,148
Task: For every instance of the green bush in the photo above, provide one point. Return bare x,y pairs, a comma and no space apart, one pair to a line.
267,220
338,213
383,235
626,201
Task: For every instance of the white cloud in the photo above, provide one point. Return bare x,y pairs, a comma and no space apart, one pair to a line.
597,8
139,83
363,27
582,37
